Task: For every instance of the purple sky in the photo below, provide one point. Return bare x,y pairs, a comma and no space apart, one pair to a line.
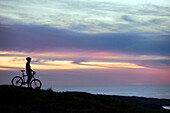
82,42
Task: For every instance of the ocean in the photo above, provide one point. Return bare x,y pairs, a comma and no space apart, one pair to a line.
151,91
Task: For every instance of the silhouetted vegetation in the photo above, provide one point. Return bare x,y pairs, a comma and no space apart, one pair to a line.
25,100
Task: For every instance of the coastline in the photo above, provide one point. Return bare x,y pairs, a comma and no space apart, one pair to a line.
148,91
16,99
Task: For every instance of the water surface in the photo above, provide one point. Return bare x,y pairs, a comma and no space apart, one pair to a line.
154,91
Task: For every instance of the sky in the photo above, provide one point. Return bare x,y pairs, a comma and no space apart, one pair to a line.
80,42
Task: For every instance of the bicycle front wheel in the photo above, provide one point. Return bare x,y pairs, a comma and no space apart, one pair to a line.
17,81
36,84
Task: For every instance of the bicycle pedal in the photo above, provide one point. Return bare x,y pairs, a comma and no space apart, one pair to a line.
24,83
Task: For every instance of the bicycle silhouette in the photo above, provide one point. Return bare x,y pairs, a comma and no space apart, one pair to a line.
22,80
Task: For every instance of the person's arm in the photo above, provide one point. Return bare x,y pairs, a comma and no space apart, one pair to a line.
33,71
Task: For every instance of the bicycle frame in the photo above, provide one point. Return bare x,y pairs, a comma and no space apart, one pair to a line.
21,80
23,76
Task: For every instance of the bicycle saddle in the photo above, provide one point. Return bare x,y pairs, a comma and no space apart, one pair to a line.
22,70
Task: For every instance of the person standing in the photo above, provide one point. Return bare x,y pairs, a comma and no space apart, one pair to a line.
29,71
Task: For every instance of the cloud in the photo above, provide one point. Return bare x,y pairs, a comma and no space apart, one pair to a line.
48,64
90,16
127,18
78,61
157,64
35,38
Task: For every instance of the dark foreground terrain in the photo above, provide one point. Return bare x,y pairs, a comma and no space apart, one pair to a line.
23,100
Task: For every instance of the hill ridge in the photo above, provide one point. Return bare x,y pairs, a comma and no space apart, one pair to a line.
23,100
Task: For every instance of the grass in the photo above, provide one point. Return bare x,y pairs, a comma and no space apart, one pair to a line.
24,100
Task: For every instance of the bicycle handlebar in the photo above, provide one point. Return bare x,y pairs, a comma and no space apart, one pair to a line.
22,70
32,73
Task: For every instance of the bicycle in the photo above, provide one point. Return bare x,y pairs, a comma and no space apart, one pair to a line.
22,80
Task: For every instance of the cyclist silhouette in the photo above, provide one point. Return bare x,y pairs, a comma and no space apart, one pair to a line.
29,71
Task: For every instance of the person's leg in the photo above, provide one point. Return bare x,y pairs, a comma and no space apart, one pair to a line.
28,81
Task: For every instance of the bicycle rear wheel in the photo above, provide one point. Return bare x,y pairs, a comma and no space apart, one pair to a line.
36,84
17,81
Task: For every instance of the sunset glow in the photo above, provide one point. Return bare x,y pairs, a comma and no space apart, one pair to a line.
87,42
11,62
113,64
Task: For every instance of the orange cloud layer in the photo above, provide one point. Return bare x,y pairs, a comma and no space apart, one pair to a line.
11,62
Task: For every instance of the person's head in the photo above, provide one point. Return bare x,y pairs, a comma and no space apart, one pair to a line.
28,59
